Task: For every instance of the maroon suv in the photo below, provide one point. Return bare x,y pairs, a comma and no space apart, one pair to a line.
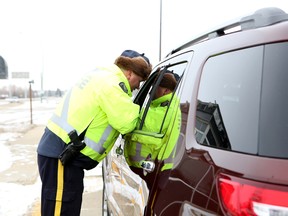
231,157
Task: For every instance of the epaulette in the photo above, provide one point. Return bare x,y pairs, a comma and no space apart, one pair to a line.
165,103
123,87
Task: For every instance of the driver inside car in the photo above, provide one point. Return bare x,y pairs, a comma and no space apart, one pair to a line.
140,149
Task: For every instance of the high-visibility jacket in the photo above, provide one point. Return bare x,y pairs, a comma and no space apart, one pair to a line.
139,146
100,105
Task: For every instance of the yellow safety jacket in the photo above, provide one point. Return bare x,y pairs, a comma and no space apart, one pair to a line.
139,145
101,104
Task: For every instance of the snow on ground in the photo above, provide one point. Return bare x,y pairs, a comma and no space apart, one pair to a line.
5,154
13,124
15,199
15,120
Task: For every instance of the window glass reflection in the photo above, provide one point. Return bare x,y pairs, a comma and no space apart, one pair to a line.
228,100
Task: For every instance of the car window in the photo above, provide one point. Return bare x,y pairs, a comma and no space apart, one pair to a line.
172,128
150,89
273,134
228,101
241,100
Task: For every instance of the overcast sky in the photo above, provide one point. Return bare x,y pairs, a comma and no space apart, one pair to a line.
62,39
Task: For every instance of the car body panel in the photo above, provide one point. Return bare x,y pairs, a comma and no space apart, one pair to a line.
195,183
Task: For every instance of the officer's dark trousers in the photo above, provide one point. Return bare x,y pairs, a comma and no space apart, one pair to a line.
62,187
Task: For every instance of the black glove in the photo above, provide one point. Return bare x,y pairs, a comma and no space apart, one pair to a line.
70,152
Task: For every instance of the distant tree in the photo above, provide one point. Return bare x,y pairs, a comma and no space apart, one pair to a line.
3,69
58,92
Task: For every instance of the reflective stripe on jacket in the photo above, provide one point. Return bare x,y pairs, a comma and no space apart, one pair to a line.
101,103
139,146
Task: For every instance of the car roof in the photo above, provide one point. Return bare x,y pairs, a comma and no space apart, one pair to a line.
260,18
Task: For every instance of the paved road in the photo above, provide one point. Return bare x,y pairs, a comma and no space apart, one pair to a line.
15,118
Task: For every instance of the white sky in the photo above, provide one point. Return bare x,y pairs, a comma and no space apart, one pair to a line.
63,39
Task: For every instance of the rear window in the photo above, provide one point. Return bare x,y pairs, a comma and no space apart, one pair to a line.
242,101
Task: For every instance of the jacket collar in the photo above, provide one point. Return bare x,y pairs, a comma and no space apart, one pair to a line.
162,100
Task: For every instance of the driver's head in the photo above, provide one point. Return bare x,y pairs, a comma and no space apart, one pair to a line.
166,86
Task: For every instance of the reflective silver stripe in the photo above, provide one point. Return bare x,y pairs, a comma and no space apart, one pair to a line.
62,123
95,146
64,113
61,120
137,157
98,147
169,159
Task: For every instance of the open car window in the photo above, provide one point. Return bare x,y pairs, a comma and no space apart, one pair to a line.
147,92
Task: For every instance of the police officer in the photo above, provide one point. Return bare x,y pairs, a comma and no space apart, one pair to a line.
84,127
139,147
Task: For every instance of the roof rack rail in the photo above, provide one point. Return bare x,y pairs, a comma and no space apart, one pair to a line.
263,17
260,18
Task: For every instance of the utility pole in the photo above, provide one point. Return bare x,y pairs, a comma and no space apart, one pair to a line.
160,39
42,71
30,95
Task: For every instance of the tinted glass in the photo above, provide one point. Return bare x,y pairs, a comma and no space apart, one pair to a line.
242,101
229,100
274,119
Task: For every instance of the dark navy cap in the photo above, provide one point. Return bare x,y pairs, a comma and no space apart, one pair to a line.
133,54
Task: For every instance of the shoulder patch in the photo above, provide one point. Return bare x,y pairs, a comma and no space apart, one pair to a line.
123,87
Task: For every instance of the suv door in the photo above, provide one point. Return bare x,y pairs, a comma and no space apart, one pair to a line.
178,65
121,186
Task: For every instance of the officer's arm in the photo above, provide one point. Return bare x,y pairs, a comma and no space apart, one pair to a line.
121,112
